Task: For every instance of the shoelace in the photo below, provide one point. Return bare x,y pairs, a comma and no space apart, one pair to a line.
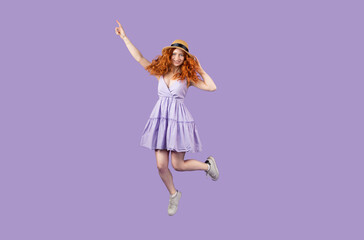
172,204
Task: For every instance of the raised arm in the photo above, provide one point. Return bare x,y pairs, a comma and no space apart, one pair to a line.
207,84
132,49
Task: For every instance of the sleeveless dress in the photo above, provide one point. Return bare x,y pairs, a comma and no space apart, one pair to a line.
170,125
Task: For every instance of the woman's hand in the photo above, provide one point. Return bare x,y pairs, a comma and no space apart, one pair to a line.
200,69
120,31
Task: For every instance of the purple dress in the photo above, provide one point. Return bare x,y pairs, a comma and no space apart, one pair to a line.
170,125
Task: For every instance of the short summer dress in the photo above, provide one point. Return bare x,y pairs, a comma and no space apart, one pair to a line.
170,125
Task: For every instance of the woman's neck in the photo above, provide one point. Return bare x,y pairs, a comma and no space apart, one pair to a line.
175,69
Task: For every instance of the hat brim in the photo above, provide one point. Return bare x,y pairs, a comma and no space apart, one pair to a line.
178,48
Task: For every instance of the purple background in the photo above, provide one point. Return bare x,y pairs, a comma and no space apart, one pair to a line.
285,124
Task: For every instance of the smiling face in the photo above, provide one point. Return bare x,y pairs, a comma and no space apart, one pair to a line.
178,56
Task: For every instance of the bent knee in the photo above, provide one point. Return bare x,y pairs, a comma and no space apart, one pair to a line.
178,167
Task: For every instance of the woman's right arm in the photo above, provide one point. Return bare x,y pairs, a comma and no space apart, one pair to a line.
132,49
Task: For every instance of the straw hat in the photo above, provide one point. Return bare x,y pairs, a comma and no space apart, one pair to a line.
180,44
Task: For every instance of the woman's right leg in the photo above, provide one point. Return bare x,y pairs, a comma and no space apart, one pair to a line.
162,157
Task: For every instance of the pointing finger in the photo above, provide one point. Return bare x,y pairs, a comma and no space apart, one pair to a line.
118,23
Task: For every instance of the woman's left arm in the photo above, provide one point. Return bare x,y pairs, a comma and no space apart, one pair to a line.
207,84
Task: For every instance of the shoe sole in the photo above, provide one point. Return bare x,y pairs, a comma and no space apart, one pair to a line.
215,166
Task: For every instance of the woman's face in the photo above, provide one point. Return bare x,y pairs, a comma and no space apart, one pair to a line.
177,57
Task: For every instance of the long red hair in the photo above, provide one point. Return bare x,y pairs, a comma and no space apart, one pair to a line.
162,65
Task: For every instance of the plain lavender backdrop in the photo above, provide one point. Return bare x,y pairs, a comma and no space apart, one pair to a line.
285,124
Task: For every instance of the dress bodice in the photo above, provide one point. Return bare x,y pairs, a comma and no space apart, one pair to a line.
177,89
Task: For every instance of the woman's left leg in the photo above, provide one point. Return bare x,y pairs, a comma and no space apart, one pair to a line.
179,164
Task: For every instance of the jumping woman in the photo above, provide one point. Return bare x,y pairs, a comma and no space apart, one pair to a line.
171,127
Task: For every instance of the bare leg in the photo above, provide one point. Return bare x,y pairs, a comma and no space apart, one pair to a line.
162,157
179,164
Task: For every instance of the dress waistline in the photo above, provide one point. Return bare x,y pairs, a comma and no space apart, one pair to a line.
172,98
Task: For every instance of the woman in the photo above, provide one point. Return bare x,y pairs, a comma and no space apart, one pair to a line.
171,128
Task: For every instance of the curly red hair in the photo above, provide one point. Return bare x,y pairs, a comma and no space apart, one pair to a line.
162,65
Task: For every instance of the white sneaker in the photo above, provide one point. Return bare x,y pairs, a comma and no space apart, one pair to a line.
213,172
173,203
